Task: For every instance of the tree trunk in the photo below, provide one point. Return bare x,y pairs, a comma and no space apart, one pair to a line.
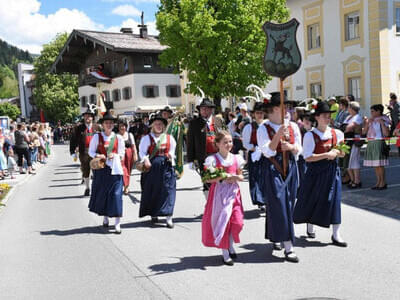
217,102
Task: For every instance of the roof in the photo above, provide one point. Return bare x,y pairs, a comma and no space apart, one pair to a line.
81,43
124,41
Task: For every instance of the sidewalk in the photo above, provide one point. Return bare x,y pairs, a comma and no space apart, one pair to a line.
18,180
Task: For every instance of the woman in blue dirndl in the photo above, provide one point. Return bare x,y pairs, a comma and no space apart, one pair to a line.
320,193
255,158
275,141
157,151
107,185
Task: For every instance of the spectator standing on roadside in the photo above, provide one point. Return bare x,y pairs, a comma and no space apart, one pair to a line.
342,114
394,108
22,148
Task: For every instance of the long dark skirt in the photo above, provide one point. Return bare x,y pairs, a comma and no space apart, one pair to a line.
320,195
302,165
256,180
106,196
281,195
158,189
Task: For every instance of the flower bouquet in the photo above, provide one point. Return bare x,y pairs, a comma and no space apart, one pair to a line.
342,147
210,173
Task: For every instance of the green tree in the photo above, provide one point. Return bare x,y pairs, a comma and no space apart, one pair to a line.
8,83
8,109
55,94
220,43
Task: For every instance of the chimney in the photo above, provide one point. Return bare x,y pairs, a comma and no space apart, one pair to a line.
143,28
126,30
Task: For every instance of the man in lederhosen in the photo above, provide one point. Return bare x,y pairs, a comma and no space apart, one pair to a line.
80,141
201,135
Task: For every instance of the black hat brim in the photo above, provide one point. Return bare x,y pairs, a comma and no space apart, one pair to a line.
208,105
158,119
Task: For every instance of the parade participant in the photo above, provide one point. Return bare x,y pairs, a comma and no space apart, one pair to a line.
223,216
276,141
157,152
130,153
80,141
106,196
319,196
307,123
167,113
255,155
201,135
376,128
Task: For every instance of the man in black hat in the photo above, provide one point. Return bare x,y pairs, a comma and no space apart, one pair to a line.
201,134
80,140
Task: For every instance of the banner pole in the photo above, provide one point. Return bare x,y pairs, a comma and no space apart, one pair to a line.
284,154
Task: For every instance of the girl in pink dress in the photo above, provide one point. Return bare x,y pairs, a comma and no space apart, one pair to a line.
223,216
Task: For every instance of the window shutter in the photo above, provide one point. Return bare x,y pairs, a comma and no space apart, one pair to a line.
168,89
178,90
144,90
156,92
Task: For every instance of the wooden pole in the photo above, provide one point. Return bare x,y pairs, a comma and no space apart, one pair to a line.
284,156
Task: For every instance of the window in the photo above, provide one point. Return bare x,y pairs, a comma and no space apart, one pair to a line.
314,39
150,91
116,95
107,96
125,63
148,62
352,25
127,93
114,67
93,99
316,90
355,87
398,20
84,101
173,91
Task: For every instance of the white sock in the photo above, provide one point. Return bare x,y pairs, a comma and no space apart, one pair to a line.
336,233
225,254
105,220
310,228
169,219
117,221
288,246
86,180
231,249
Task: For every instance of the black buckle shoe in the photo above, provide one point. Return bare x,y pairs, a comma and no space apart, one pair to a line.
311,235
87,193
337,243
228,262
154,220
291,257
233,255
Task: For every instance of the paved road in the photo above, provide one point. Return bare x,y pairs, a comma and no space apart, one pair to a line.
51,247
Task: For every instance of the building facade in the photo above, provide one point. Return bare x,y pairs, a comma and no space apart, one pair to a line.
122,68
26,85
348,47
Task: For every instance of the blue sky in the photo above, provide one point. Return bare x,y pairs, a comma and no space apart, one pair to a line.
29,24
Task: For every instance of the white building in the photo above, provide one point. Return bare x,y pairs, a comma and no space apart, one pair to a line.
25,73
348,47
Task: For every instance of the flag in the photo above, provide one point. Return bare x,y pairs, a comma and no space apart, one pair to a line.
100,75
101,107
42,119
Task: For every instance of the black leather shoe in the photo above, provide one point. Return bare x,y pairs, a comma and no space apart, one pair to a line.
87,193
277,246
337,243
291,257
233,255
311,235
105,225
228,262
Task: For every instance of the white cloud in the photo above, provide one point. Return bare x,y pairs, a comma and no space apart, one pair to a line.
22,25
131,23
131,1
126,11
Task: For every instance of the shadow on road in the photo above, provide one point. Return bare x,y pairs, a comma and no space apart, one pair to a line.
83,230
253,214
260,254
70,179
62,173
65,185
303,242
70,166
133,198
61,197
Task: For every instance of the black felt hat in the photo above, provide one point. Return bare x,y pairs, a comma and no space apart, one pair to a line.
276,100
158,118
206,103
88,112
108,117
167,109
258,106
322,107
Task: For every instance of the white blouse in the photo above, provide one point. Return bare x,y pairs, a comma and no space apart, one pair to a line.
264,140
309,142
212,162
115,163
145,143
